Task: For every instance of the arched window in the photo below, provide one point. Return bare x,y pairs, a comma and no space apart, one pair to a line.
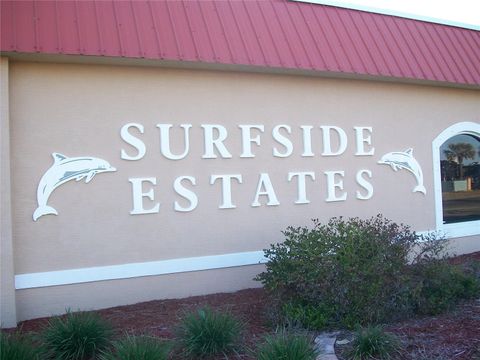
456,155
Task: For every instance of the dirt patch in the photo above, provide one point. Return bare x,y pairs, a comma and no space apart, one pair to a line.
453,335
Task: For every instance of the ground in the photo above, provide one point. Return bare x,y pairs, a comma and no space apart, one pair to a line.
453,335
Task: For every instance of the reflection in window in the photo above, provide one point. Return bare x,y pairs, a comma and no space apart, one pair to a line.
460,171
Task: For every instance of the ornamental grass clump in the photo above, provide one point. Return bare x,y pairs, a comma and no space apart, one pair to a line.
286,346
18,347
138,348
76,336
373,342
205,332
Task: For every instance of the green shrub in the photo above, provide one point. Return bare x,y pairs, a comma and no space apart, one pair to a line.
207,333
353,271
305,316
138,348
286,346
374,343
17,347
438,285
76,336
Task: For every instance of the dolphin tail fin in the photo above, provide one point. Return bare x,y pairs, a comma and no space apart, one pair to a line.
44,210
420,188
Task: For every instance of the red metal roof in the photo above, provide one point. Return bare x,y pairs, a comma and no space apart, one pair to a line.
272,34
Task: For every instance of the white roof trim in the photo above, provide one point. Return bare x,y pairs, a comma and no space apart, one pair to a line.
383,11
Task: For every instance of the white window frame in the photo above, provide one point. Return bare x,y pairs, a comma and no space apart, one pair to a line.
466,228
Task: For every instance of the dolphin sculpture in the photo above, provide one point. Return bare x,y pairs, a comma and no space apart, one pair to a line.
405,160
65,169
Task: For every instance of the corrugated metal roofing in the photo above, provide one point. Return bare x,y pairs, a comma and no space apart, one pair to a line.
274,33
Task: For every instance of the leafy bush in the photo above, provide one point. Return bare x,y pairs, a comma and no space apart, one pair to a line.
287,346
374,343
352,270
138,348
305,315
17,347
438,285
76,336
207,333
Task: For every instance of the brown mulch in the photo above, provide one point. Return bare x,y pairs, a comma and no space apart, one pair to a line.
453,335
465,258
159,317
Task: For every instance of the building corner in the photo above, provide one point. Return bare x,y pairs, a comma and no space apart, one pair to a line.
8,316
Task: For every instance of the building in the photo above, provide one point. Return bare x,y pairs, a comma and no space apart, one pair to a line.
153,149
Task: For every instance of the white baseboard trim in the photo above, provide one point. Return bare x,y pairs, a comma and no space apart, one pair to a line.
133,270
151,268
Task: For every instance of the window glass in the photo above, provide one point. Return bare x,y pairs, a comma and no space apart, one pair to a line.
460,172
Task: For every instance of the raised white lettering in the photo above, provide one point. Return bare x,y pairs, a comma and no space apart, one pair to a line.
332,186
327,146
132,140
361,140
364,184
138,195
282,140
307,140
247,139
185,193
226,188
302,192
210,142
264,182
165,141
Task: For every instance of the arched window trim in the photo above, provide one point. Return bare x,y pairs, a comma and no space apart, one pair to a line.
458,229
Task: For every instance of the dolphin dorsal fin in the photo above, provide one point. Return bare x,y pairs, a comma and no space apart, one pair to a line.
58,157
409,152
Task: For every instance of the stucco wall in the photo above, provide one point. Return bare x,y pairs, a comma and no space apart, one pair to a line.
78,110
8,315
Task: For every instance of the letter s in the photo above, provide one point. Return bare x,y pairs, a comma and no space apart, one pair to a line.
132,140
364,184
185,193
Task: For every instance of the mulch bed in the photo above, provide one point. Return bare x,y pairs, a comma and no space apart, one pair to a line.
453,335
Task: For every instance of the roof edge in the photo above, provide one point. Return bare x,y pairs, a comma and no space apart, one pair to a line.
384,11
195,65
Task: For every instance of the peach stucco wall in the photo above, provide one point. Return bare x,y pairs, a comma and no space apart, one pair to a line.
8,316
78,110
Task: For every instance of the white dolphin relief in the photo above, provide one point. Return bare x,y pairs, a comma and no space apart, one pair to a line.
65,169
404,160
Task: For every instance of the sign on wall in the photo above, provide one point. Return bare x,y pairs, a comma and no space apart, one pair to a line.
334,142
